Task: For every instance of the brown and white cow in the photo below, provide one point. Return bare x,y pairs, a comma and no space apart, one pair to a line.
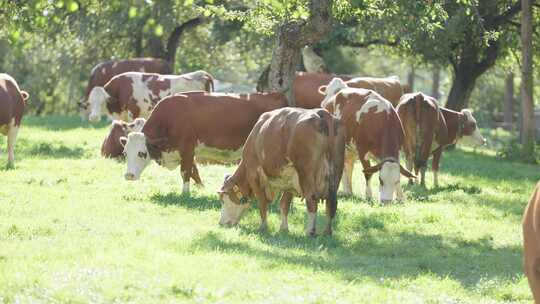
306,87
373,126
103,72
12,103
291,150
111,147
531,243
186,124
429,128
137,93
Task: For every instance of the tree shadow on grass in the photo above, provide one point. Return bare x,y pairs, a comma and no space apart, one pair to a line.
49,150
377,255
199,203
420,193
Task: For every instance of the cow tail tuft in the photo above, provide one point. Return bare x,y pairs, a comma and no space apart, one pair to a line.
333,176
418,133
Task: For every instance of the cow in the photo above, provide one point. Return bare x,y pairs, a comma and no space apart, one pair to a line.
307,95
191,123
111,147
531,243
291,150
373,126
430,128
137,93
12,104
103,72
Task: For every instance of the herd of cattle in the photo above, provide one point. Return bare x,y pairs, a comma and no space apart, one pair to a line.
293,151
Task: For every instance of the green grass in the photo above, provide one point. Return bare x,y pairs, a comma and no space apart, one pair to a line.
72,230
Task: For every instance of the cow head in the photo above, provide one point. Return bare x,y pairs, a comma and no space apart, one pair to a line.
136,153
469,128
136,125
390,171
97,98
234,202
335,85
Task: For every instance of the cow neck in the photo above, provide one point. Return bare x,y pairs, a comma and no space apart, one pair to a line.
240,178
454,122
153,151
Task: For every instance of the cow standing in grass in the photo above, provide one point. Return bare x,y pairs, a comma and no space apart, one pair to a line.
111,146
373,126
430,128
137,93
12,103
103,72
531,243
291,150
184,125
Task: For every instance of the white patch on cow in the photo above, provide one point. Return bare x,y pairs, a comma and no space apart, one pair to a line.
311,223
389,175
97,99
136,154
185,187
476,136
136,125
103,71
231,213
170,159
380,105
335,85
115,65
141,93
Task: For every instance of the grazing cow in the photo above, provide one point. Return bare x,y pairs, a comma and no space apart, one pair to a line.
531,243
103,72
190,123
111,147
291,150
138,93
307,95
12,102
430,128
373,126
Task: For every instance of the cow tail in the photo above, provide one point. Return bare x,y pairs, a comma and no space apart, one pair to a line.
334,171
209,85
195,175
418,133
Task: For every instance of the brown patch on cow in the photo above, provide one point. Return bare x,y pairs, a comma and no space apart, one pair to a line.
111,146
531,243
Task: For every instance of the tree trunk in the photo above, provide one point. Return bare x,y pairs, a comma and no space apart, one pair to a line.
527,103
464,80
435,86
509,102
410,78
174,39
291,37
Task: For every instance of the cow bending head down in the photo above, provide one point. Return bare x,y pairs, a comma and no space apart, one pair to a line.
97,99
389,175
136,153
235,203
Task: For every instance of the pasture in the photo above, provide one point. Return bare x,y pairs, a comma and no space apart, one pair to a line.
73,230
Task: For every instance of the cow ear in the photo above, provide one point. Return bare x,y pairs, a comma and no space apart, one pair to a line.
226,184
322,89
123,140
373,169
406,172
25,95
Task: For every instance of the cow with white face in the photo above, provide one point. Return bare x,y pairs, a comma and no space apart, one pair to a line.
430,128
137,154
373,129
135,94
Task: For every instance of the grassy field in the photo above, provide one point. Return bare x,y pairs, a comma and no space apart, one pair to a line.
72,230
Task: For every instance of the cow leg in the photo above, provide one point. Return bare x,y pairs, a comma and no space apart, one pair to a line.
435,167
346,181
263,206
410,159
367,176
285,206
532,271
311,228
11,139
423,176
186,168
399,193
329,218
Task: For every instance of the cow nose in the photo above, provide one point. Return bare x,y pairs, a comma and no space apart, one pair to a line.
129,176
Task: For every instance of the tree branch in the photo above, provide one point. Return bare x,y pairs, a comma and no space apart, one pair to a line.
365,44
507,15
174,38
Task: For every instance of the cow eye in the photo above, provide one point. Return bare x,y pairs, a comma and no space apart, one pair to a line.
142,154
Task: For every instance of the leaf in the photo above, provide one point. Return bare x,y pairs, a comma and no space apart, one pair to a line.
158,30
132,12
72,6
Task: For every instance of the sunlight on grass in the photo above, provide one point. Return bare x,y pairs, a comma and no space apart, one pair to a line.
73,230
